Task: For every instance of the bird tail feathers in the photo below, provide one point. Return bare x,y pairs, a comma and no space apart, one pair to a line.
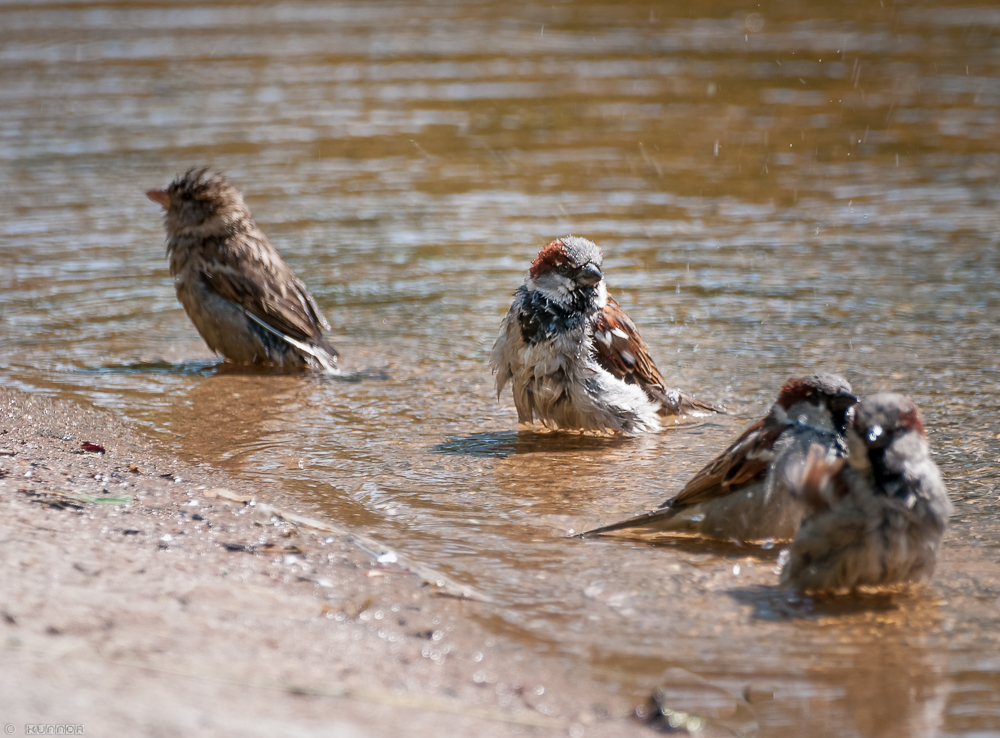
324,359
657,520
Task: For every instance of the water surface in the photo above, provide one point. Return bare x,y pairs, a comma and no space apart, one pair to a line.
778,188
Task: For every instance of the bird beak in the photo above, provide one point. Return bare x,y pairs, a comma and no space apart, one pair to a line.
843,400
847,395
589,275
160,197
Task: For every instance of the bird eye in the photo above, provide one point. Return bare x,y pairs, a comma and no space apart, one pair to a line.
874,433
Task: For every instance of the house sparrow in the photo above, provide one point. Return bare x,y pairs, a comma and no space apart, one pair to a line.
877,517
573,357
238,291
743,494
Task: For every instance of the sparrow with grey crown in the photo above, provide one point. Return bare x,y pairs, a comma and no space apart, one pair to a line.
743,495
238,291
572,356
877,517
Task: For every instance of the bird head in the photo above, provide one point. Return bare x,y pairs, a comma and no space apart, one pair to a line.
199,201
829,392
568,272
885,429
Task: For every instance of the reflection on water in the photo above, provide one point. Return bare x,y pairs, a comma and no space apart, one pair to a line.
804,186
184,368
526,442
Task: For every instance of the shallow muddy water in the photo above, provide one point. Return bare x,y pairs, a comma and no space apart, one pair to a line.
778,188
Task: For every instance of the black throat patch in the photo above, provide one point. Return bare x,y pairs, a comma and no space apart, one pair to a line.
541,319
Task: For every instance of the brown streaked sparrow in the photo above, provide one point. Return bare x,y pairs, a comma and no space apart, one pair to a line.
238,291
573,357
743,494
877,517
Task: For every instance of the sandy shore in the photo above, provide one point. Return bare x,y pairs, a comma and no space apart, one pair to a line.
143,596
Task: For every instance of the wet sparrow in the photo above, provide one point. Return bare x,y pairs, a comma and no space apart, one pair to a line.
573,357
743,494
877,517
238,291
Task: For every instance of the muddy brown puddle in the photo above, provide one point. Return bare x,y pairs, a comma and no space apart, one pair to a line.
778,188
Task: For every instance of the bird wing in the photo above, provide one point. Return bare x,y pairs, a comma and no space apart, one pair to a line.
622,352
509,342
268,291
743,463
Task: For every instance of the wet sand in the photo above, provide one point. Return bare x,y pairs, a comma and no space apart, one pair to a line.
180,612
